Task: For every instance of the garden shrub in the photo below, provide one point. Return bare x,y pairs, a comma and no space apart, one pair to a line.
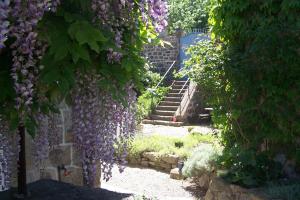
250,71
202,161
148,101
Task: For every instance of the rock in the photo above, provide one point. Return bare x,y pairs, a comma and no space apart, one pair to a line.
174,174
171,159
203,181
152,156
145,163
165,165
49,173
60,156
219,185
152,164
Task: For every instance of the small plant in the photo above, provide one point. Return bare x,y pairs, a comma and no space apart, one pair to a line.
179,144
148,101
190,129
202,161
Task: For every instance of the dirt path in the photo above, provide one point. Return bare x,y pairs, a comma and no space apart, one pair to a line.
150,183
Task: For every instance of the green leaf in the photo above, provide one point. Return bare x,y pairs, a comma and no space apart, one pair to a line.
79,52
85,33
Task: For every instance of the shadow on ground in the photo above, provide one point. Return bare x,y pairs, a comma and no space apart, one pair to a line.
53,190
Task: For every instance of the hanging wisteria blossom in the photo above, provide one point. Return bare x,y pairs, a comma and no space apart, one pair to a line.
48,60
96,118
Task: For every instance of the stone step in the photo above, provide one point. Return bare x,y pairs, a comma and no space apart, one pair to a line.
204,115
167,108
181,83
173,99
160,122
161,118
174,95
177,91
169,103
179,87
164,113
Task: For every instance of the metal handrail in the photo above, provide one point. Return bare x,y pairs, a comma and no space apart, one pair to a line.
165,75
184,85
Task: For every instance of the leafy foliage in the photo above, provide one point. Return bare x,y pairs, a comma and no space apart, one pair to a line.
251,72
286,191
149,100
188,14
167,144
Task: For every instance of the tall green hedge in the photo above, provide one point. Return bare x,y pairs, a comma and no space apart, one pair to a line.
252,68
263,69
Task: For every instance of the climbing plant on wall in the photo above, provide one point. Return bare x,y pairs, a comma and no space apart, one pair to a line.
86,52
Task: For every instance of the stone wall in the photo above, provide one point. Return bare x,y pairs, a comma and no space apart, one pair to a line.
163,57
156,161
63,154
220,190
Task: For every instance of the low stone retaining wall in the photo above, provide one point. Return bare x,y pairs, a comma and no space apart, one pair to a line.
156,161
221,190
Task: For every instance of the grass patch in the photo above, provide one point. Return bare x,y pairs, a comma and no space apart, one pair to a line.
182,147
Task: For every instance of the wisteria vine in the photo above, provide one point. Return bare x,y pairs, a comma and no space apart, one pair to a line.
101,123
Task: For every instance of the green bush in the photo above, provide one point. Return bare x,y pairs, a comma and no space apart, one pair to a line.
250,71
167,144
248,168
148,101
290,191
202,161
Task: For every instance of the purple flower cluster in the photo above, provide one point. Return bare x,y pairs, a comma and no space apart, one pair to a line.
4,23
6,156
117,14
158,10
100,123
27,49
47,137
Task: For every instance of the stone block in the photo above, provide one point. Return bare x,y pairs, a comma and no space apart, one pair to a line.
145,163
60,156
49,173
165,165
76,160
203,181
152,156
175,174
74,176
69,136
67,119
219,185
171,159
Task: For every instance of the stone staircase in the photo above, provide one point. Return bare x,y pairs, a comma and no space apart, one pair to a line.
165,112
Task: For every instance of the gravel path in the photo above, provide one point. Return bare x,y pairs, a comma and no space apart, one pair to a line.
149,129
152,183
